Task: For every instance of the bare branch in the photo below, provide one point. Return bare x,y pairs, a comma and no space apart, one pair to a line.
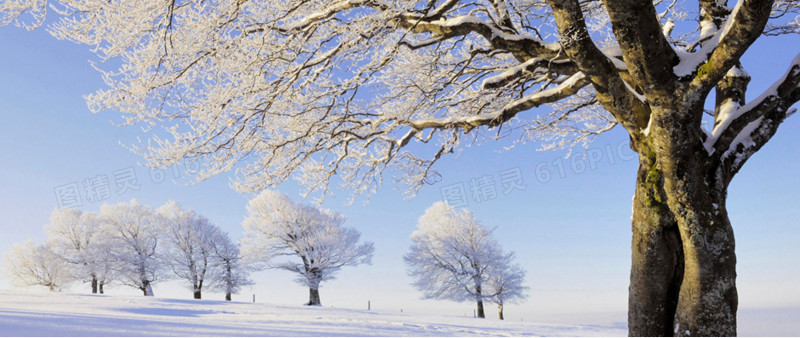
646,51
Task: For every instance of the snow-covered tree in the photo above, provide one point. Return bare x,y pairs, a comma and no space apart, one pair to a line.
189,245
276,226
104,262
343,87
134,232
506,283
76,238
30,264
452,256
231,274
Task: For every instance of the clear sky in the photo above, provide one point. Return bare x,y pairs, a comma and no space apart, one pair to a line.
571,230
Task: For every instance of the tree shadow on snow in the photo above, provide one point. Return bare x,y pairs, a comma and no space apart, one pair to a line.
165,312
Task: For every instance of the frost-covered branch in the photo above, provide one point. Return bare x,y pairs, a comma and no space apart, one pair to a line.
315,88
784,19
28,14
566,88
312,90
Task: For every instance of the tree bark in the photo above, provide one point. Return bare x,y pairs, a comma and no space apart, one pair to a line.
481,314
94,284
708,297
500,311
197,294
313,297
101,284
228,296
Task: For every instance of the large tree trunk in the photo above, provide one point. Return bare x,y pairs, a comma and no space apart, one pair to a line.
313,297
682,238
198,294
481,314
102,283
657,262
696,188
500,311
228,296
94,284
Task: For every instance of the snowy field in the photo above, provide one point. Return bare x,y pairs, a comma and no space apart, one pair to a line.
45,314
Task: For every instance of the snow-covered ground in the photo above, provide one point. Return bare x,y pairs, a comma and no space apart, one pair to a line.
63,314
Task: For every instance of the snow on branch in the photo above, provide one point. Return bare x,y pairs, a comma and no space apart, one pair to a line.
567,87
733,119
744,25
748,128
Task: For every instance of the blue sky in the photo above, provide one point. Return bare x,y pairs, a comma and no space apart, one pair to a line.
571,232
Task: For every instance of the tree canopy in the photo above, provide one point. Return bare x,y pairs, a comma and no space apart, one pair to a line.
320,88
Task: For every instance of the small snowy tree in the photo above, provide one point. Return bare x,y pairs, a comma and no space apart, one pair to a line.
506,283
276,227
452,255
30,264
75,238
189,245
231,274
133,239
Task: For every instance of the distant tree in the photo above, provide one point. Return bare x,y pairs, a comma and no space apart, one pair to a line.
103,260
506,283
277,227
189,245
75,237
452,256
30,264
134,231
231,274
